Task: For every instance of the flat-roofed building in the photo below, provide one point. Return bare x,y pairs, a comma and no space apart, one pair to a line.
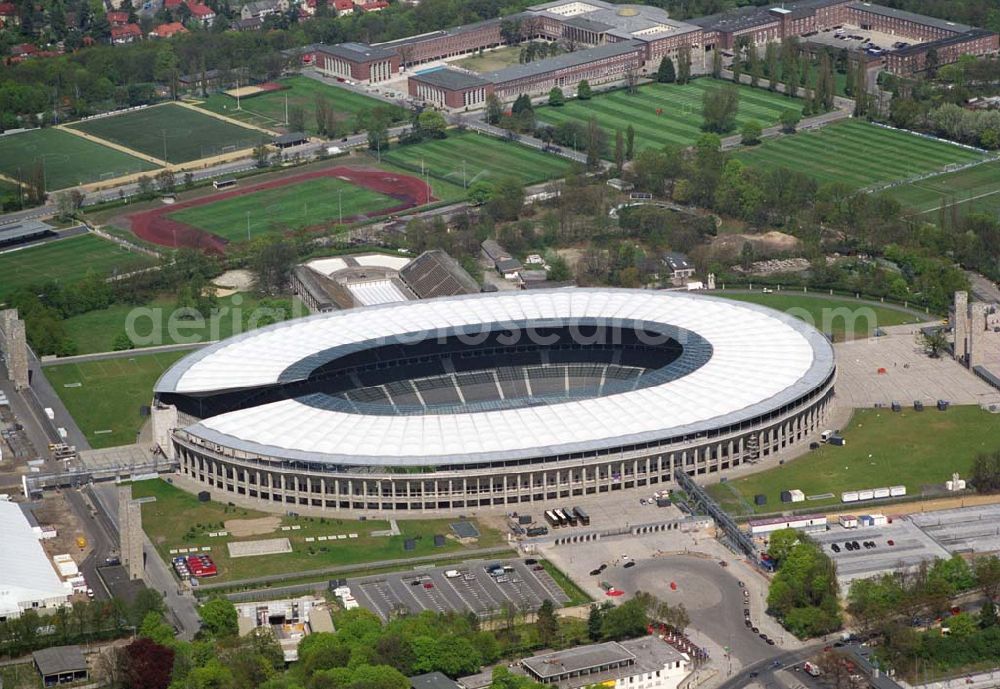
648,662
357,62
450,88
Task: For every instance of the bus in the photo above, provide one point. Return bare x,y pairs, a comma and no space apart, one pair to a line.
226,183
552,519
570,516
561,516
582,516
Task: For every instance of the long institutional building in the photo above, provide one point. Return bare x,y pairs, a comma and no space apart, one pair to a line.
493,399
608,41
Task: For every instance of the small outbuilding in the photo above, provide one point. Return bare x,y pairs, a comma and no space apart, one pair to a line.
60,665
433,680
291,139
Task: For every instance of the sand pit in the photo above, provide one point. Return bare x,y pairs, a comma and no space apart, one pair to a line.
241,528
233,281
270,546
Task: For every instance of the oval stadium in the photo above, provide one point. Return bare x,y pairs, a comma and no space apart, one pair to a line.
493,399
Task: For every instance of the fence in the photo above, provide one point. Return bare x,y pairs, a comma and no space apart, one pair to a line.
828,291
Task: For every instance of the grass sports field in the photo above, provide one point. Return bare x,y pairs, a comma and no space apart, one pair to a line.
307,204
66,260
482,157
883,449
173,133
104,396
975,189
834,315
268,110
69,159
856,153
157,323
680,123
178,520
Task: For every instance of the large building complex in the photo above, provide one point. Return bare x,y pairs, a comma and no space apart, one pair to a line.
606,42
483,400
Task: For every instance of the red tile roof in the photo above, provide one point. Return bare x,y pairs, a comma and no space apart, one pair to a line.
118,17
168,30
171,4
8,9
127,31
23,49
374,5
343,5
201,11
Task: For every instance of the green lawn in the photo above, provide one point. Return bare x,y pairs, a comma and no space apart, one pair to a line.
173,133
836,315
468,157
856,153
20,676
159,323
66,260
319,201
680,123
883,449
491,60
268,109
106,395
68,159
975,189
178,520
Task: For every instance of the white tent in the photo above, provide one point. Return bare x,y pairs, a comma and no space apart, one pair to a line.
27,578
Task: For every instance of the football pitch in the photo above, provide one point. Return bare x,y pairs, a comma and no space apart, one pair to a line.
65,260
291,207
884,448
173,133
68,159
856,153
268,109
680,105
104,397
975,189
465,157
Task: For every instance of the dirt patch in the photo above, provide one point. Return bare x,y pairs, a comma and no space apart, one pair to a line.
571,256
155,226
240,528
233,281
773,242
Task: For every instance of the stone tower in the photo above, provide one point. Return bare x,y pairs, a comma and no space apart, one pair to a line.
14,348
130,532
961,326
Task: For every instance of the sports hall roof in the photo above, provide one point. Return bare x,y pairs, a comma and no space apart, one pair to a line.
761,360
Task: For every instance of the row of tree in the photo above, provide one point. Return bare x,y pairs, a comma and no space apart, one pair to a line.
803,595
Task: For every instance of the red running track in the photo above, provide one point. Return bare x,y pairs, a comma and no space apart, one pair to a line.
156,227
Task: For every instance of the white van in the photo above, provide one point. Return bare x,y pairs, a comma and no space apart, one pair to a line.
451,573
825,435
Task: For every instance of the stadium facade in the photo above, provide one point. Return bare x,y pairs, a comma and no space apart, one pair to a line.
495,400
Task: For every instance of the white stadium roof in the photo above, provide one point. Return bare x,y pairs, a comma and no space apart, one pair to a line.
761,359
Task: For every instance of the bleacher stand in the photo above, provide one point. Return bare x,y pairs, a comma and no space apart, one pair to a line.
436,274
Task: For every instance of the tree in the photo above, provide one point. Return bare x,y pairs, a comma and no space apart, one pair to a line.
619,151
480,192
432,124
719,108
716,63
629,142
68,203
861,90
556,97
789,120
771,65
219,617
494,109
596,143
737,69
147,665
754,66
666,74
790,72
625,621
988,615
985,474
751,132
145,187
583,91
270,260
296,118
166,69
747,255
931,62
933,341
684,65
260,152
546,623
595,620
507,199
987,572
188,180
166,181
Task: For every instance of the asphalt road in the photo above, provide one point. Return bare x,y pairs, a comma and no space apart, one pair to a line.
157,576
710,594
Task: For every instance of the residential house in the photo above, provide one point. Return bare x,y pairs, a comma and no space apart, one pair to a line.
678,266
117,18
258,9
129,33
167,30
9,16
248,24
373,5
202,13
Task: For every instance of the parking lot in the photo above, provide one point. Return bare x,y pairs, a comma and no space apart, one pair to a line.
910,547
854,38
523,585
963,530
